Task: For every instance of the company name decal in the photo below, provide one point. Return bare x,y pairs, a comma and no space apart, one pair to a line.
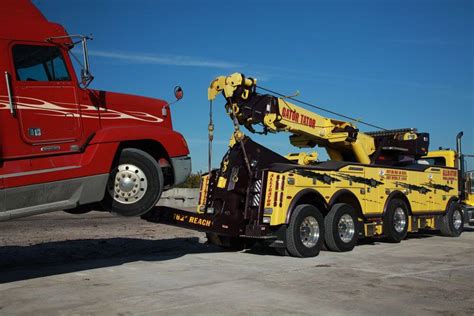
269,190
297,117
192,220
400,175
450,175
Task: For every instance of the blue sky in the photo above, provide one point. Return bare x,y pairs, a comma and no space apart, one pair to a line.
395,64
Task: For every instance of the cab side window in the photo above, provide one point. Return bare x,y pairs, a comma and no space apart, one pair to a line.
39,63
436,161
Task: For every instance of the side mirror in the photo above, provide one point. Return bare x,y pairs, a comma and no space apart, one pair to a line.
86,77
178,93
83,76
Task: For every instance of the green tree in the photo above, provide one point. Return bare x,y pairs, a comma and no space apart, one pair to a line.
192,181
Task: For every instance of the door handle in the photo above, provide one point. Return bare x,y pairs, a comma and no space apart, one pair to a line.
9,92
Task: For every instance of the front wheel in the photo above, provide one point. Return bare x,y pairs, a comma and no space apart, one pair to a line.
305,232
135,184
452,223
395,223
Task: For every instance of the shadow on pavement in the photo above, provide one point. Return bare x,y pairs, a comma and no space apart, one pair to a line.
53,258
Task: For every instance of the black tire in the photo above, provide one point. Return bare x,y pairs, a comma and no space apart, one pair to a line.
295,245
393,220
452,223
150,172
343,215
230,243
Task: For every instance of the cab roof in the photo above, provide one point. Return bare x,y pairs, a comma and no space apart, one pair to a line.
21,20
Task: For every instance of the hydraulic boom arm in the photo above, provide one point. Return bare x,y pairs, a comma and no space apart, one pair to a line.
342,140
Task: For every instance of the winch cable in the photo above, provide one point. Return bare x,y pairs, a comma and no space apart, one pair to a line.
244,152
210,129
239,139
321,109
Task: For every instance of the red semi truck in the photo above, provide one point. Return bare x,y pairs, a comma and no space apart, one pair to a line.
64,146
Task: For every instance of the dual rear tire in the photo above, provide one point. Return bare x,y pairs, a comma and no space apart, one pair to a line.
308,231
341,225
305,232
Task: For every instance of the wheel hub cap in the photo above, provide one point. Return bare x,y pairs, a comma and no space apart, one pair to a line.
309,232
399,220
346,228
457,219
128,185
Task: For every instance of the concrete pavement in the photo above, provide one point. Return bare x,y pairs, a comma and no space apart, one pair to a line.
424,275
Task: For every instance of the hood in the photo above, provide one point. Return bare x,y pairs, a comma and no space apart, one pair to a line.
126,109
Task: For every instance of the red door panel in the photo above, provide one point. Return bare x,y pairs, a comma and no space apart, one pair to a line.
48,114
45,98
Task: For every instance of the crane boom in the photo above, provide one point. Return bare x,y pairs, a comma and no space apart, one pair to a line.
342,140
276,114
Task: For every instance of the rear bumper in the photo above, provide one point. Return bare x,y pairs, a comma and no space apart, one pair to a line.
181,169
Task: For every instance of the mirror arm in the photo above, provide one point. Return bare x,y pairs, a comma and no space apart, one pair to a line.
86,57
86,77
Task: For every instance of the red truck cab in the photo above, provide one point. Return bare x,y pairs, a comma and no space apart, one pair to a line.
64,146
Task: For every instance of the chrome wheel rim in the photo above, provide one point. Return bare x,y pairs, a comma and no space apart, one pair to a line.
457,219
399,220
346,228
309,232
129,184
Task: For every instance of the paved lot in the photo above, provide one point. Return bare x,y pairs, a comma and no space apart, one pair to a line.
59,264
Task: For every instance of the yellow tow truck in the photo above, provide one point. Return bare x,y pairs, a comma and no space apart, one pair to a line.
384,183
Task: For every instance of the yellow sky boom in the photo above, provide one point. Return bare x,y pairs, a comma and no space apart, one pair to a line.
308,129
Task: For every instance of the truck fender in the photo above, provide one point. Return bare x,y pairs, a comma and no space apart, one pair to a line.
172,141
307,196
453,199
401,196
344,192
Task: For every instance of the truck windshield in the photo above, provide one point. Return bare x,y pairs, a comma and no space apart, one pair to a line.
39,63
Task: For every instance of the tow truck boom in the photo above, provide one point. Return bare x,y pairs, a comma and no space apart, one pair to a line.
342,140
